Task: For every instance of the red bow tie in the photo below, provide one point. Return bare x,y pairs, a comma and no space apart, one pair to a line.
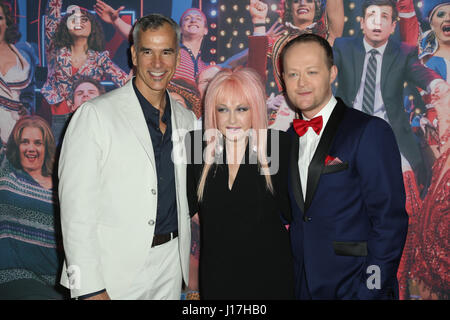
301,126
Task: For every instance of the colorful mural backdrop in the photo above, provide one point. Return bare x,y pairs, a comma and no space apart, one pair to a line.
48,69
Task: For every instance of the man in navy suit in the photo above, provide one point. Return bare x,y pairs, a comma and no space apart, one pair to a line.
349,220
394,63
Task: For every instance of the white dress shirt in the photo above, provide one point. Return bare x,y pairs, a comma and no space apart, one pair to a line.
309,141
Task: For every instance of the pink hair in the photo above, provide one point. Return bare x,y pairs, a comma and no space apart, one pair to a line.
241,82
246,84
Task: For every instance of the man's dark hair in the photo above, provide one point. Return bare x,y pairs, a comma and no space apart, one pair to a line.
390,3
305,38
77,83
96,40
154,21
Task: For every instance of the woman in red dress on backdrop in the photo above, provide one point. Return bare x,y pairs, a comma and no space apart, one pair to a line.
431,261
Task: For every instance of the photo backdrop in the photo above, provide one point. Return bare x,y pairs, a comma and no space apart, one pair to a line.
234,40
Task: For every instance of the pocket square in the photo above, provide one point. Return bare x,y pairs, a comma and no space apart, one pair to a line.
330,161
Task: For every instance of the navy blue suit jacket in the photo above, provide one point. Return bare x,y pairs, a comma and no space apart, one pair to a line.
354,213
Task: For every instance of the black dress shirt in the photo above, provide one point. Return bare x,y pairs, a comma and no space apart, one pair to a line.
166,215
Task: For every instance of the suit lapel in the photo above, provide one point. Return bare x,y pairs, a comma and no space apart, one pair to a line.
178,153
295,174
318,161
359,55
132,111
388,59
179,131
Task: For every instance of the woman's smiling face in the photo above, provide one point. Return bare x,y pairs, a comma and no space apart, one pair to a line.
32,149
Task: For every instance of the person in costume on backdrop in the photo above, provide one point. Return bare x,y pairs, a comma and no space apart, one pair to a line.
349,221
372,80
434,51
235,192
187,94
31,251
434,44
84,89
322,17
17,67
429,269
194,28
125,217
422,273
74,49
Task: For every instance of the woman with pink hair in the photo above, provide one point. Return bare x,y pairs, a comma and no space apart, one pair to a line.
237,185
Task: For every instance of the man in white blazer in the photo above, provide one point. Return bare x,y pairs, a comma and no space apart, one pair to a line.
124,210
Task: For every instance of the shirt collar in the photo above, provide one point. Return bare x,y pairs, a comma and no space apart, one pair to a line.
146,104
182,46
292,26
368,47
326,111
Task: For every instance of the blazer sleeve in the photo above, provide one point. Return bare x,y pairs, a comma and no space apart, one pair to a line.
408,22
257,55
417,73
80,180
51,20
379,167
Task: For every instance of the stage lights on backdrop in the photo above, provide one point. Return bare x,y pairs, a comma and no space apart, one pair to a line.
234,25
230,24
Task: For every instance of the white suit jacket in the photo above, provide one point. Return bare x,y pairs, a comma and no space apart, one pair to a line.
108,192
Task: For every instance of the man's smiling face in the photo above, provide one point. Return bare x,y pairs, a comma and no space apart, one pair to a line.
193,23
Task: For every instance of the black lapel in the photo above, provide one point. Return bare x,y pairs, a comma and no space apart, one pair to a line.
318,161
295,175
389,56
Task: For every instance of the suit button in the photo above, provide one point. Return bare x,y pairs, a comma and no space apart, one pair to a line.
151,222
307,219
153,191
